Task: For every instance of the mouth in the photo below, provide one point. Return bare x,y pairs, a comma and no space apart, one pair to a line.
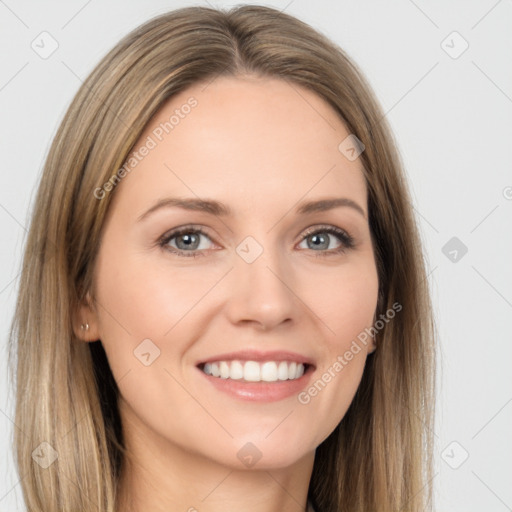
255,371
257,376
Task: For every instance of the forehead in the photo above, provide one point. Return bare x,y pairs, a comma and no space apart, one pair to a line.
247,142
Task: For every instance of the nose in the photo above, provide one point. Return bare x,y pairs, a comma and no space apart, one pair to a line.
262,292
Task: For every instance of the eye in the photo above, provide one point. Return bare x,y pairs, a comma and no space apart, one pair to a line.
189,241
185,241
321,239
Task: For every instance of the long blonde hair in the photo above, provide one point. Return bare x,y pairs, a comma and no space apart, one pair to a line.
379,458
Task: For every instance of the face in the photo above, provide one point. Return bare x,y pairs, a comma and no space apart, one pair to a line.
229,288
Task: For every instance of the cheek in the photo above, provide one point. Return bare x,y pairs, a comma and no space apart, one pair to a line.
142,313
346,301
142,300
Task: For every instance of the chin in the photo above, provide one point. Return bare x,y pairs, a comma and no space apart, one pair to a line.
257,453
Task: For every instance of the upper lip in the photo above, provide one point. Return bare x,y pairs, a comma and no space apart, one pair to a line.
259,355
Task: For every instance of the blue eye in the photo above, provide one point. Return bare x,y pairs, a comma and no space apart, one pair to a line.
320,240
186,241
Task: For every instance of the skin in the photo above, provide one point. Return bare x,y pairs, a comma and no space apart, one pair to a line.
260,147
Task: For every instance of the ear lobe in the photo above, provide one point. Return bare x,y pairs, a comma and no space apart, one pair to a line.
85,321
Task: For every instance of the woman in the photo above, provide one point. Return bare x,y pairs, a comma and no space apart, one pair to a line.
223,301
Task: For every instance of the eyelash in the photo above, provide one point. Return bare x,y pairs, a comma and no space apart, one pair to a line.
347,241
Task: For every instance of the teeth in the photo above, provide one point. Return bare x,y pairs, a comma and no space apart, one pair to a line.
252,371
269,371
236,370
224,370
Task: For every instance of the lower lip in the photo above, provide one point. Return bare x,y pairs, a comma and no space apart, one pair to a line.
260,391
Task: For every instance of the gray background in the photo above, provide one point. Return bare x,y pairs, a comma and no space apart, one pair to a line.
451,115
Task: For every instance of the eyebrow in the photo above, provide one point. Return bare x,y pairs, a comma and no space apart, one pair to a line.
217,208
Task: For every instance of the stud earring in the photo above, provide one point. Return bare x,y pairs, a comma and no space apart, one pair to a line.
84,327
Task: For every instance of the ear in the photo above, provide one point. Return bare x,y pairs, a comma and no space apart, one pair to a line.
85,321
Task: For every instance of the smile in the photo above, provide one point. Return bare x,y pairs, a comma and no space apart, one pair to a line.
254,371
